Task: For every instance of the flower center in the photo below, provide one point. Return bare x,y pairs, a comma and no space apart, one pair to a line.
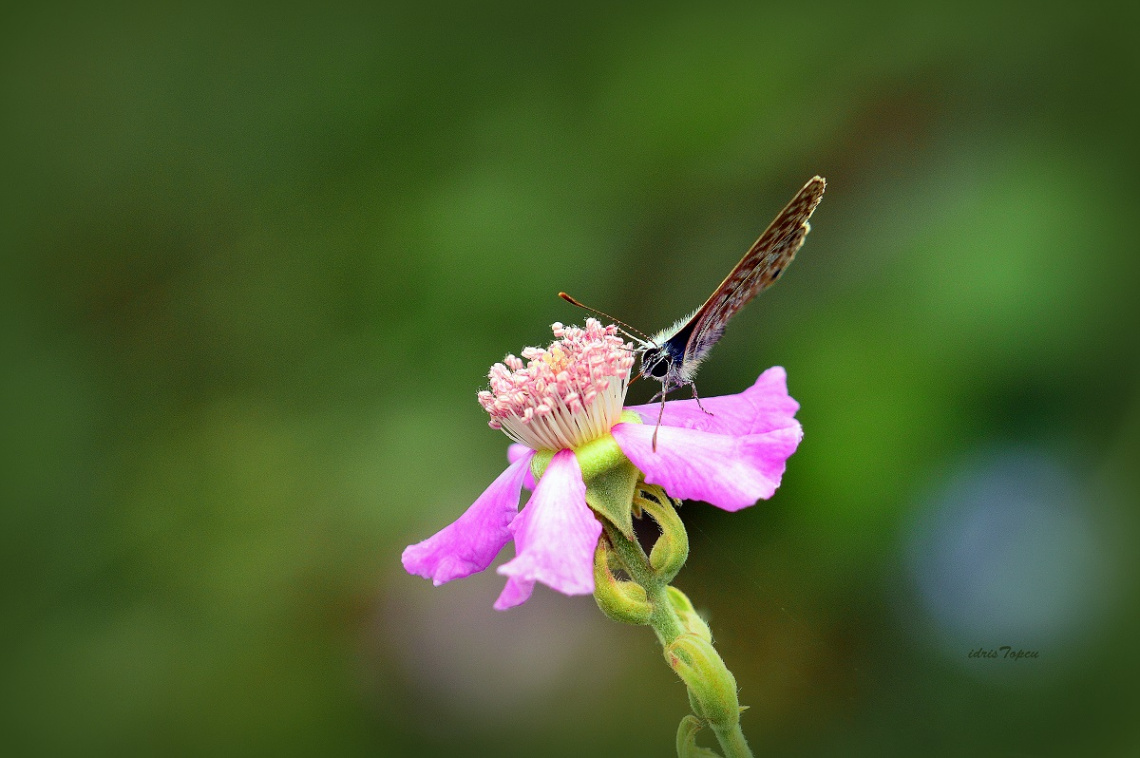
566,394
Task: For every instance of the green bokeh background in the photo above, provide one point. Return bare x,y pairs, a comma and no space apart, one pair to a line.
257,262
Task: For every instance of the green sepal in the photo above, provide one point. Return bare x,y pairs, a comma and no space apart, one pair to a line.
687,746
671,549
624,602
610,493
695,704
609,476
712,687
690,619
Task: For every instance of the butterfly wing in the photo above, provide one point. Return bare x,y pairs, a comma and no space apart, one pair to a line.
759,268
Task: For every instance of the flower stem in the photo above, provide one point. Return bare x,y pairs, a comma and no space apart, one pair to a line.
635,562
732,742
684,636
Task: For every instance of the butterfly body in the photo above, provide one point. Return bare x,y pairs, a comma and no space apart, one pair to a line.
673,355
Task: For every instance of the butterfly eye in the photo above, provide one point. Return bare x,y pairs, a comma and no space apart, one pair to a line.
653,364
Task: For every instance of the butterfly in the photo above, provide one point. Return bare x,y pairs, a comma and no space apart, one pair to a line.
672,356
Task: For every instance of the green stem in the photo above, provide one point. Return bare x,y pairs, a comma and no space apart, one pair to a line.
669,626
732,742
664,619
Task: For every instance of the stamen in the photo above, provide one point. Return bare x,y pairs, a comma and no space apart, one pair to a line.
566,394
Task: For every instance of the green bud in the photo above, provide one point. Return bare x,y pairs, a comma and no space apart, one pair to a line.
690,619
671,550
695,704
624,602
712,688
687,746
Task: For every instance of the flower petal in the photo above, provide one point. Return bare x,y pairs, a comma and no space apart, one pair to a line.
516,592
471,542
516,452
555,536
763,407
728,472
517,589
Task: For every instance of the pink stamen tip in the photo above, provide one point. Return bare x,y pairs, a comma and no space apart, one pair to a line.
584,372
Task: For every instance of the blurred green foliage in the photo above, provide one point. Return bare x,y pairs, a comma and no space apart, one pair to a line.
257,262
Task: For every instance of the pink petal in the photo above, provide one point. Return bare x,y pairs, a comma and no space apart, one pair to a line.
763,407
515,453
516,592
517,589
471,542
728,472
555,536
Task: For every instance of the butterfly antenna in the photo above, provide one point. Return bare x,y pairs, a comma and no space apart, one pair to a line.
643,339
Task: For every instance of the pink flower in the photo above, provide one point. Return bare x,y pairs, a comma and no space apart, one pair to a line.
570,395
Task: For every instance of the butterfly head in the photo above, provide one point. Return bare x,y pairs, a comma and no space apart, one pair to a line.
661,364
655,363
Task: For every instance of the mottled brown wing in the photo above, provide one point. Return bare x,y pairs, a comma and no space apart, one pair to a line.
768,257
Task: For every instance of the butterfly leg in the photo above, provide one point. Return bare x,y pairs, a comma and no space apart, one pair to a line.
693,387
665,390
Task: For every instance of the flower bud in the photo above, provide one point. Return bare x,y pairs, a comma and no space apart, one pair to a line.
624,602
690,619
687,746
671,550
712,688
